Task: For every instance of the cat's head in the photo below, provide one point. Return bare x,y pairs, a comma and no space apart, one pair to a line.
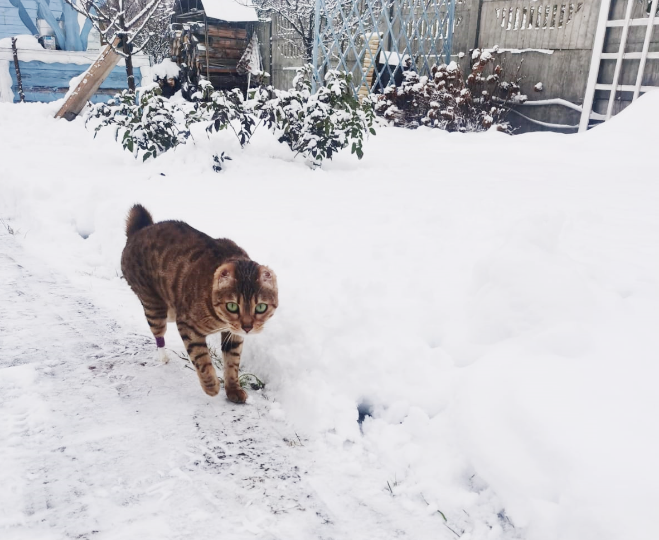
245,295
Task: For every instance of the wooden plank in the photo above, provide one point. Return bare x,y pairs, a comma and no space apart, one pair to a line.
502,27
593,72
36,74
646,47
64,89
632,22
625,87
223,62
621,52
631,56
588,26
222,69
537,24
569,22
236,33
89,83
545,30
530,39
226,43
538,18
580,19
225,53
525,33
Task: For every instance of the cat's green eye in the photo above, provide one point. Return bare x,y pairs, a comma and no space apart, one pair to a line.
232,307
260,308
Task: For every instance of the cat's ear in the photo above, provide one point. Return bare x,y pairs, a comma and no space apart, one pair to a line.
266,275
225,273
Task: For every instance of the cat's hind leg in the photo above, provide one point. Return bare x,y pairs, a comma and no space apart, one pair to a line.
232,348
195,344
156,316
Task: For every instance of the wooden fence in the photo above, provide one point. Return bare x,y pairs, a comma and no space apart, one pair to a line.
551,39
557,39
528,24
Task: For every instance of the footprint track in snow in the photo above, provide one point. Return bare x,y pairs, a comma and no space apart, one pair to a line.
98,437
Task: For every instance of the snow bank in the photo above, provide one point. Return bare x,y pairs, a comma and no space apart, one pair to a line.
22,42
164,70
6,93
489,304
632,121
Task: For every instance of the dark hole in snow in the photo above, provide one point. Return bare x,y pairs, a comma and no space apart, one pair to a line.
364,409
84,229
162,174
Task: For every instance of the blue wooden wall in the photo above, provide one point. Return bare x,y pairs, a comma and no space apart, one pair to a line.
49,82
10,21
44,81
20,17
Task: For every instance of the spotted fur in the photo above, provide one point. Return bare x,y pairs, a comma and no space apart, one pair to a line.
183,275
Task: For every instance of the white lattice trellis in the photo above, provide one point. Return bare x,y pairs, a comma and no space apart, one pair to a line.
650,21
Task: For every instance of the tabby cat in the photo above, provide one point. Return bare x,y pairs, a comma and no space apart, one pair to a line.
205,285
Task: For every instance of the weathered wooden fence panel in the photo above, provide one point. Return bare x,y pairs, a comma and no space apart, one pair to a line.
287,53
529,24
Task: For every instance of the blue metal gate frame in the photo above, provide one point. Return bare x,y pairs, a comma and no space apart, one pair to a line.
411,34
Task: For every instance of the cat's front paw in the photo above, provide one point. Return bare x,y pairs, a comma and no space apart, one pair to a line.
237,395
212,388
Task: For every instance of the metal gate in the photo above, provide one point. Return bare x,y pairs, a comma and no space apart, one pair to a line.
378,40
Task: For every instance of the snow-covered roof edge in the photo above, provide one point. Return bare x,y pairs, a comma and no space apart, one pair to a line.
230,10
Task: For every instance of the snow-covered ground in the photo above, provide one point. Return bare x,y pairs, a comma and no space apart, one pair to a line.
491,302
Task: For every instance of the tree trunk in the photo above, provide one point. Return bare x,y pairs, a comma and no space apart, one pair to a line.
129,69
123,34
19,79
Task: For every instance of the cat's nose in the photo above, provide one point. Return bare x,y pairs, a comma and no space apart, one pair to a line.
247,328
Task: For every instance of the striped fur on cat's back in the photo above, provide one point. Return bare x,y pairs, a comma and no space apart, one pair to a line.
203,284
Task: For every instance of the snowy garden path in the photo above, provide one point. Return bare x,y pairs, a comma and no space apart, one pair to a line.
98,437
491,302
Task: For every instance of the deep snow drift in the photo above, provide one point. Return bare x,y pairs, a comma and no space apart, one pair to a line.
490,301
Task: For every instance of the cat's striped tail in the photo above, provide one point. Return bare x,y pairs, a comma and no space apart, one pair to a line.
138,218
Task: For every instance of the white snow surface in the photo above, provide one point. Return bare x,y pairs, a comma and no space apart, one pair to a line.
6,92
231,10
165,70
491,301
22,42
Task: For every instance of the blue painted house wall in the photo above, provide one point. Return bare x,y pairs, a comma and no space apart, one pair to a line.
49,81
20,17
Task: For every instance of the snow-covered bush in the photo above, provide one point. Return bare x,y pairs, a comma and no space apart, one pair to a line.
317,125
447,100
222,110
150,124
